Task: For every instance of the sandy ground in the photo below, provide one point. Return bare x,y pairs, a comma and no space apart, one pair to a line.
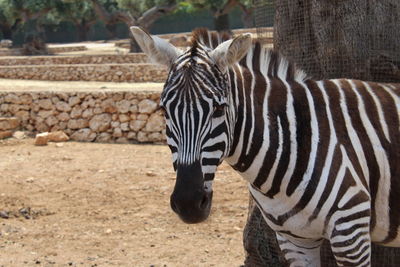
86,204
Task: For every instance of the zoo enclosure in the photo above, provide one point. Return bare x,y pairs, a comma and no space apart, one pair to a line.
357,39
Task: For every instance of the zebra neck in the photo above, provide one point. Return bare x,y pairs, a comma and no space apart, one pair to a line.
260,117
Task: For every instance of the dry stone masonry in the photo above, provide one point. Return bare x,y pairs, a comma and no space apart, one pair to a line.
93,116
111,68
74,59
8,126
139,72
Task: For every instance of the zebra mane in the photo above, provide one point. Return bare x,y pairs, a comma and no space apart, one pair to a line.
266,60
208,38
273,64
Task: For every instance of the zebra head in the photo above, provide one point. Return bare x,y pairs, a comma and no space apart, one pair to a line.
199,118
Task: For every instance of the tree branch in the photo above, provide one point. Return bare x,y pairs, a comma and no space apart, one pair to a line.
229,5
40,13
151,15
101,12
126,17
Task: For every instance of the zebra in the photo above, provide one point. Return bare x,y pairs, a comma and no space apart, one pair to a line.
322,158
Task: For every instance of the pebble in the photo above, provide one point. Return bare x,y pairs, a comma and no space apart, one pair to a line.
25,212
4,214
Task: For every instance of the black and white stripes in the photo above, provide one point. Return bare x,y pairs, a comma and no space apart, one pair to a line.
322,158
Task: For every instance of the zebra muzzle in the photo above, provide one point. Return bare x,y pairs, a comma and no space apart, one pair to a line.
189,199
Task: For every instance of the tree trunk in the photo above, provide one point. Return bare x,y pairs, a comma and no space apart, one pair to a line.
248,18
34,43
333,38
221,23
83,27
111,30
6,32
82,32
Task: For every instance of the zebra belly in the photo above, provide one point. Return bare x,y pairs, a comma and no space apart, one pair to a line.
296,226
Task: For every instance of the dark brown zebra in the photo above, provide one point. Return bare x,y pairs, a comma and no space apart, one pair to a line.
322,158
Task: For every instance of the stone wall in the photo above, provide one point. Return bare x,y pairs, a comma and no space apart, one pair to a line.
75,59
93,116
141,72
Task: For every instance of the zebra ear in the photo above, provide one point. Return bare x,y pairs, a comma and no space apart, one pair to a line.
158,50
231,51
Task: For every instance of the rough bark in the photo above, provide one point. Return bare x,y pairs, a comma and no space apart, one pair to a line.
35,38
34,46
331,39
34,41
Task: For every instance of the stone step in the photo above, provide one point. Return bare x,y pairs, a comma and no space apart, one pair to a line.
141,72
82,59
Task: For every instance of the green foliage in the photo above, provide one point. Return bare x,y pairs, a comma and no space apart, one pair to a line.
32,6
192,5
7,13
75,11
212,4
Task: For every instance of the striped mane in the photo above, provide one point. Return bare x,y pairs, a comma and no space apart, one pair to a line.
208,38
267,61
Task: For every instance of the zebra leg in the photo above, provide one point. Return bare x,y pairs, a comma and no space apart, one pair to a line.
351,244
300,252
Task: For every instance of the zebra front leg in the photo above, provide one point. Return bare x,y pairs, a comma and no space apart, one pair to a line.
351,244
300,252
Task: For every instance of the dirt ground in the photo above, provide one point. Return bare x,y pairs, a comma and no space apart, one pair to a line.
86,204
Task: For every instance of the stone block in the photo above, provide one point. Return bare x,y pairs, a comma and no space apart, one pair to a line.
9,123
42,139
5,134
58,136
100,123
147,106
